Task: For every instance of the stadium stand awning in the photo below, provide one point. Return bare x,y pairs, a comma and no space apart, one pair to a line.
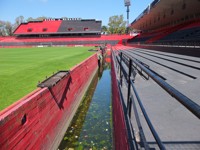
161,13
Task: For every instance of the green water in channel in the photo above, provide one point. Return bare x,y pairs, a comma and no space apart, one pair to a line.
91,127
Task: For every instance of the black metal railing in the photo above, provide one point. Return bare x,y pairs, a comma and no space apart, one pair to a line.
184,100
128,67
129,74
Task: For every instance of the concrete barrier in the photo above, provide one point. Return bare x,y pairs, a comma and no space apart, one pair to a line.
40,119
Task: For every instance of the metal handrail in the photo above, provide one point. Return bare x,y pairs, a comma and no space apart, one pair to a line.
184,100
127,119
127,65
130,82
153,131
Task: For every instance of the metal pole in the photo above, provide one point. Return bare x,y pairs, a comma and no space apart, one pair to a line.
129,82
120,74
128,10
127,25
129,107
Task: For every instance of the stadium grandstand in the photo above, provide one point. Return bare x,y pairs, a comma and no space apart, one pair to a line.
59,27
60,31
168,23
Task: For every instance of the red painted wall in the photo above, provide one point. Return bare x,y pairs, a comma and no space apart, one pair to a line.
48,111
120,132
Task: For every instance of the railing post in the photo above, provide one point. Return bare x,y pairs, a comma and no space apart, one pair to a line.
129,86
129,107
120,74
129,79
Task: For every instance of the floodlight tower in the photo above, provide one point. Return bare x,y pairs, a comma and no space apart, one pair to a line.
127,3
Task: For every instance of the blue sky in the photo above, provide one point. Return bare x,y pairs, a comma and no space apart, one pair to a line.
85,9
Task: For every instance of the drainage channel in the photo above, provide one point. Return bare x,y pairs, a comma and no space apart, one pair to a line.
91,127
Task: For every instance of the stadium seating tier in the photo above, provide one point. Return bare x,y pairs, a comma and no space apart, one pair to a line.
59,27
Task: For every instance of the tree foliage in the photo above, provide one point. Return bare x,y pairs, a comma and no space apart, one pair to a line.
19,20
6,28
117,25
36,19
9,28
104,29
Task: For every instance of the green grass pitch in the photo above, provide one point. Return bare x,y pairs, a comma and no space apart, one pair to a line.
22,68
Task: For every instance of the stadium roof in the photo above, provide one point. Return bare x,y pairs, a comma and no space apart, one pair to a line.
161,13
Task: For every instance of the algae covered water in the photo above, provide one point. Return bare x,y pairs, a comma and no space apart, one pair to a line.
91,127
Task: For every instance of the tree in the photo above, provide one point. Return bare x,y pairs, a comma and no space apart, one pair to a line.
29,19
41,18
8,28
19,20
36,19
2,32
104,29
116,25
1,24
